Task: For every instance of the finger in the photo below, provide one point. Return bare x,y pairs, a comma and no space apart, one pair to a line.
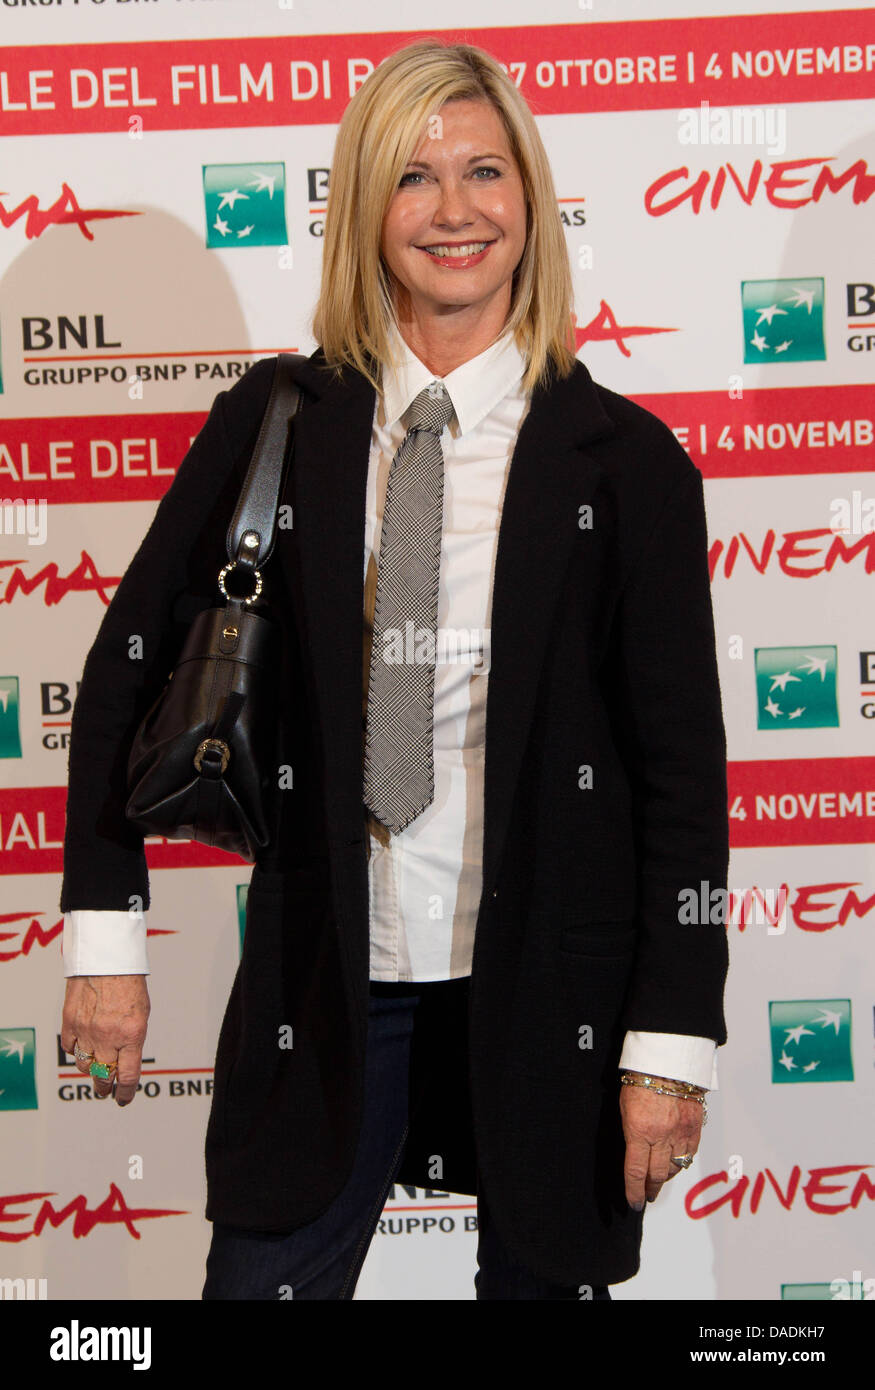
103,1084
635,1171
130,1061
85,1045
689,1131
81,1020
70,1014
686,1136
658,1168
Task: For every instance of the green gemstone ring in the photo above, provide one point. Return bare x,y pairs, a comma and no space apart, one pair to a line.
103,1070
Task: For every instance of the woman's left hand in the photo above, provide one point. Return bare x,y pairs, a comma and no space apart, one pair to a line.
656,1127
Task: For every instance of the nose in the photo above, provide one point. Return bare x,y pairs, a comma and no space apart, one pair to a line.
454,204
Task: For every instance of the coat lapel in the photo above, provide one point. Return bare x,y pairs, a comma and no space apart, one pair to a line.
323,559
550,478
323,556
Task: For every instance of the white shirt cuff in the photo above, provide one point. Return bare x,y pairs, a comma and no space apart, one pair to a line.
677,1055
104,942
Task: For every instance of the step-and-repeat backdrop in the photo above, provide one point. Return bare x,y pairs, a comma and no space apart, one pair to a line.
163,175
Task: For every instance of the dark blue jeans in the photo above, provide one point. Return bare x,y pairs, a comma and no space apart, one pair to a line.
323,1259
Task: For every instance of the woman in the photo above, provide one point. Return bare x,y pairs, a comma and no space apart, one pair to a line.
469,909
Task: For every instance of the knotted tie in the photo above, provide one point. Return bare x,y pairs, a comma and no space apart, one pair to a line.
399,753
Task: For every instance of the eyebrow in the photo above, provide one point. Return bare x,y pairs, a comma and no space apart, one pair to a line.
475,159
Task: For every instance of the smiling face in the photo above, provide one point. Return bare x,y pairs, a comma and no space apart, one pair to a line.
455,229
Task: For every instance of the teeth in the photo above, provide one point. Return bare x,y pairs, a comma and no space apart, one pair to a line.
471,249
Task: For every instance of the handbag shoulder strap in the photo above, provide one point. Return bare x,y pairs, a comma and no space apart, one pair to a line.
256,508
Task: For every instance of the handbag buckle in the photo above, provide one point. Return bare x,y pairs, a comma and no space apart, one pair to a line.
213,746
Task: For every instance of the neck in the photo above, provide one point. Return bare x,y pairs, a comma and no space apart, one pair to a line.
444,339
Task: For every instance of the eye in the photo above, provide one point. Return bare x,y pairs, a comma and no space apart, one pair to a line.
488,169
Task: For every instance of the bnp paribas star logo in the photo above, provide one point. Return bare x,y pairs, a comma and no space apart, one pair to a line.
242,893
17,1069
806,1293
245,204
783,320
856,1289
10,737
811,1040
796,687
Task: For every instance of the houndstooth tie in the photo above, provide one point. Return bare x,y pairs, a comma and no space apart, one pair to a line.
399,753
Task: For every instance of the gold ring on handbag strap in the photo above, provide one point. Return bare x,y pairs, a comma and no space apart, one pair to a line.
217,745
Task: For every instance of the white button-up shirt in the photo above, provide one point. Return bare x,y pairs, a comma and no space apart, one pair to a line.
425,883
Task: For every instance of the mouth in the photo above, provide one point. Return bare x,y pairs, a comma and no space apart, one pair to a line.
458,253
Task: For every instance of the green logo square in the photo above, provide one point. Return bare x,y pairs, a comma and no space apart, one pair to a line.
796,687
807,1293
10,737
783,320
811,1040
824,1293
18,1069
245,204
242,893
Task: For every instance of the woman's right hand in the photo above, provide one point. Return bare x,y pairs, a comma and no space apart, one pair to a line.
107,1015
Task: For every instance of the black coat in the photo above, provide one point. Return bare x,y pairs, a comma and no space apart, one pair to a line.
603,655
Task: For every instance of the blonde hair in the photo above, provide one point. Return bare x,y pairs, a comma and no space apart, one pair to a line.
379,133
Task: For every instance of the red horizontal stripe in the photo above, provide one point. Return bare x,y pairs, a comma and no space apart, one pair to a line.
109,458
132,458
554,56
772,430
127,356
145,1071
32,818
32,833
795,779
390,1207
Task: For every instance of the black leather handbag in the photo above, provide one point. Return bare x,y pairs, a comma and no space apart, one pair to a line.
202,765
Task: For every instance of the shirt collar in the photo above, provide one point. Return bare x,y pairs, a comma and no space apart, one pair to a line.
475,387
